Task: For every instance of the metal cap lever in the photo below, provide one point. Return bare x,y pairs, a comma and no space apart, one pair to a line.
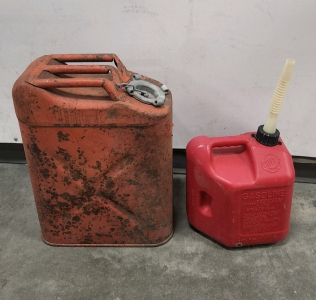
146,92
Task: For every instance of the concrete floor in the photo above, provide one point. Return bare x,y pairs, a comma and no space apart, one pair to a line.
189,266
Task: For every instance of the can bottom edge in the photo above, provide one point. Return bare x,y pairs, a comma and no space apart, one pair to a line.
283,234
108,245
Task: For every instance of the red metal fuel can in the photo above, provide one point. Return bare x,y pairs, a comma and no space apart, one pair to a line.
239,191
98,143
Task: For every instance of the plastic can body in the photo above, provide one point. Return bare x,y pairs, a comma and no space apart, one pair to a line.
101,170
239,192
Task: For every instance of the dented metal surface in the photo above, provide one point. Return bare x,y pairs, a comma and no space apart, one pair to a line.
100,161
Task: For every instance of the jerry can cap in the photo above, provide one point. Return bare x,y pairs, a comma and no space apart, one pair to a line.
145,91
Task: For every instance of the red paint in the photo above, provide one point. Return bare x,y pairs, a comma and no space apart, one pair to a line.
100,161
239,192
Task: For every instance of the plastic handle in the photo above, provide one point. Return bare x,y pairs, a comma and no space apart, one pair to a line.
229,141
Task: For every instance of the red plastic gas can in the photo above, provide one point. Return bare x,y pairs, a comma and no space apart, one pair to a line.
239,191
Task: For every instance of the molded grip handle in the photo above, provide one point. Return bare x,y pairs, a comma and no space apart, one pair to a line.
202,146
228,141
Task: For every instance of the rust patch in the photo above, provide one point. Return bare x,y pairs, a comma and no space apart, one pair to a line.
53,194
45,173
66,180
62,137
113,113
106,195
76,219
98,166
110,183
133,182
64,153
139,135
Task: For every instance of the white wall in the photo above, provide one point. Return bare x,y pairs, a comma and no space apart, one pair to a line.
221,59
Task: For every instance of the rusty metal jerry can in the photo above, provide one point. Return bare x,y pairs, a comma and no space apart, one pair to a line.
98,143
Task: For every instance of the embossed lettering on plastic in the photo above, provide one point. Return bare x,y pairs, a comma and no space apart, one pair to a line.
271,163
262,211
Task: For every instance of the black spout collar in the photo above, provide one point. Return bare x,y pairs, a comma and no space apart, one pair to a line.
267,139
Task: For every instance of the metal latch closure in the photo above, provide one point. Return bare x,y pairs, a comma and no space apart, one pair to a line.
145,91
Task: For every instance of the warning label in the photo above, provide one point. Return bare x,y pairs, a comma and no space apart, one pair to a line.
261,210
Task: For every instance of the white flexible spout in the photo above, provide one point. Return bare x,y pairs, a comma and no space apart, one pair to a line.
278,97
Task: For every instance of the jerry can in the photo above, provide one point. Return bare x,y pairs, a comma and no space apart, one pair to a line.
98,144
239,188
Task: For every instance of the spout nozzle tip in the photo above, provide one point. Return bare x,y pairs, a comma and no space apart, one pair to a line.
287,70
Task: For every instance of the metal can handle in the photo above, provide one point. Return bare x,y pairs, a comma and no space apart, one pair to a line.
120,73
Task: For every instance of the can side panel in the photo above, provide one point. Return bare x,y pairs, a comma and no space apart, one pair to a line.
102,185
208,207
264,215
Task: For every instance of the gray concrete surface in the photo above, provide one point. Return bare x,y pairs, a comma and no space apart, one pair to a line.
189,266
